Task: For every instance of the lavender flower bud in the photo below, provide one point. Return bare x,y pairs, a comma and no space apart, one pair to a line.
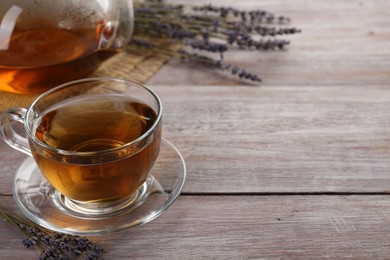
97,249
91,257
27,243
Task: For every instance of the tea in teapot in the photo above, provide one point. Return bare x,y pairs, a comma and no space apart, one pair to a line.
44,43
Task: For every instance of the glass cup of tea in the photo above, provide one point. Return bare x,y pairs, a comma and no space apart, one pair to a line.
46,43
94,140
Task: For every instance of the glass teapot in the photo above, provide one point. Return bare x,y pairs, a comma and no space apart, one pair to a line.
44,43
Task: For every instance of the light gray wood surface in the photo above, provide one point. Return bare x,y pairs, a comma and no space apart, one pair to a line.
296,168
249,227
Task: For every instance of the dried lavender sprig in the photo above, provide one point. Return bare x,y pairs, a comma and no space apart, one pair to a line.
200,24
223,12
210,29
222,29
207,45
273,31
235,71
244,41
232,37
252,16
150,14
196,23
184,55
51,245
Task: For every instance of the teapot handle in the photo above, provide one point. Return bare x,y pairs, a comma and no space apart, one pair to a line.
118,26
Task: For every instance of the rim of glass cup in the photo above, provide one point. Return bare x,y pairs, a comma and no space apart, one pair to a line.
30,110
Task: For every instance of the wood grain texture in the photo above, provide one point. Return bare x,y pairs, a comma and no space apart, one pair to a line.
285,139
249,227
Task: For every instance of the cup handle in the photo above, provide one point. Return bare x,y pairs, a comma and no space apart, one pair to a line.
8,132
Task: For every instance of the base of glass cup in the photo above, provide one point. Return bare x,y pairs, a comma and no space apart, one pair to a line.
39,201
100,210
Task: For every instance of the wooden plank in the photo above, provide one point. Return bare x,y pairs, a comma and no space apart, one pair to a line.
342,43
285,139
248,227
266,140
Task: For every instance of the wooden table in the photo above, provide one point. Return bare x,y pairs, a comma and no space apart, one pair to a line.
297,168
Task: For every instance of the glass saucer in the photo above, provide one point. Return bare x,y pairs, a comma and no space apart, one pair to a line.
38,200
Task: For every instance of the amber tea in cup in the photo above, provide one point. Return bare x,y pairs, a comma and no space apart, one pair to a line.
93,125
94,140
46,43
